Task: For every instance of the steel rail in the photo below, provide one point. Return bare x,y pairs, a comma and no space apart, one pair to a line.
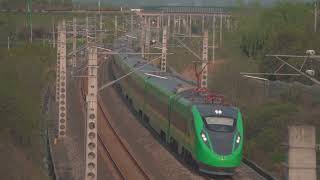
105,148
117,167
262,172
145,175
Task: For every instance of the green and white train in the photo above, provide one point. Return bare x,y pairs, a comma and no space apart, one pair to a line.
208,135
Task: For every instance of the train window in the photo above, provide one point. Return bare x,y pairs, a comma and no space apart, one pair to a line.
221,124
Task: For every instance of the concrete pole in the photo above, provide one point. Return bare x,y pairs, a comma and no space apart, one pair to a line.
221,19
62,81
183,25
58,62
315,15
179,24
115,26
74,43
131,23
228,24
8,43
190,27
174,25
158,29
169,23
164,51
143,36
92,121
100,36
213,38
87,29
161,20
99,5
31,33
202,24
186,26
101,24
148,36
29,11
53,36
123,25
204,73
100,14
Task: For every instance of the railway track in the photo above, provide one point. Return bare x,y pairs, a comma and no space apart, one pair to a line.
247,171
124,163
111,161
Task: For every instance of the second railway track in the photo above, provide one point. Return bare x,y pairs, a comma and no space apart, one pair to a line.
124,163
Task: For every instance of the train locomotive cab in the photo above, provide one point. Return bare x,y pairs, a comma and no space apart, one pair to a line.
219,134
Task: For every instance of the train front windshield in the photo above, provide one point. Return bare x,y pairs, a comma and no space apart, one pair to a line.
220,124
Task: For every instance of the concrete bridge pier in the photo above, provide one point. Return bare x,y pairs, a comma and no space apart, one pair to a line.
302,153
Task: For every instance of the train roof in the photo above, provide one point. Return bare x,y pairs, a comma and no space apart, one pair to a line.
171,83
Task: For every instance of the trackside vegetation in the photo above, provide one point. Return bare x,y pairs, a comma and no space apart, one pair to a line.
286,28
25,72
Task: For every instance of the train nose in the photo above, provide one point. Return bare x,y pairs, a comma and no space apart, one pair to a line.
222,142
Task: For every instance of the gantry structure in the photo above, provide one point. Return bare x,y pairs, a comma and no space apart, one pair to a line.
182,18
184,22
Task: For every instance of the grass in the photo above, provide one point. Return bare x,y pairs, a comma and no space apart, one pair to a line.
25,70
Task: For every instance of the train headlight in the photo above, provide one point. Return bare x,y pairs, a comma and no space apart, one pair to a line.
204,137
238,139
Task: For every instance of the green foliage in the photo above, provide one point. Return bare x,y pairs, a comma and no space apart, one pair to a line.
273,114
266,129
284,28
292,95
23,75
14,26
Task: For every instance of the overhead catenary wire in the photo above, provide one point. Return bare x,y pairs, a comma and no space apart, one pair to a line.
131,72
